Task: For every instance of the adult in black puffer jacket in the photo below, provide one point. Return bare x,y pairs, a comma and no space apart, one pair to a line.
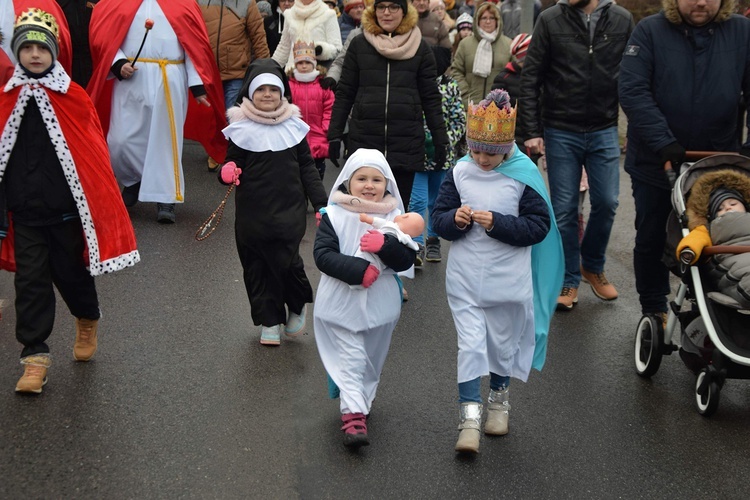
388,80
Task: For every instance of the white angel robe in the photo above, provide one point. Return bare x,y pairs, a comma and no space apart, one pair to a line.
7,19
146,126
488,284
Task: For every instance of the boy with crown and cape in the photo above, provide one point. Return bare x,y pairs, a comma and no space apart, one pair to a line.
505,266
144,105
65,223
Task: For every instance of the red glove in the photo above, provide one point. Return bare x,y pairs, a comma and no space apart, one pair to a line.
318,218
371,274
230,173
372,241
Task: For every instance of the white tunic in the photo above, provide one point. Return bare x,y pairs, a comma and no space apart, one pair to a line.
489,285
146,126
7,18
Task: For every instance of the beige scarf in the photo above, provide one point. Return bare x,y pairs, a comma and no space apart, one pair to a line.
396,47
362,206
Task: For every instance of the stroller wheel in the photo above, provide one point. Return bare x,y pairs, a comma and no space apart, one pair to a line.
707,390
648,346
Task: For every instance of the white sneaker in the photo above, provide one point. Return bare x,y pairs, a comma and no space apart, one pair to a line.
270,335
296,322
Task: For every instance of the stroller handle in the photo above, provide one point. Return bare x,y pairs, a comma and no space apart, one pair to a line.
687,255
691,156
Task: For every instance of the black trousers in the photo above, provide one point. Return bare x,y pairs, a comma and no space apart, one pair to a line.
405,181
274,275
47,255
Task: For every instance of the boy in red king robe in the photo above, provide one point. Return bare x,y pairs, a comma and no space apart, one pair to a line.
65,223
146,107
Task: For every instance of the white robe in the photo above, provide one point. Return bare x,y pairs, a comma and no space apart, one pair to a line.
145,141
353,327
488,284
7,18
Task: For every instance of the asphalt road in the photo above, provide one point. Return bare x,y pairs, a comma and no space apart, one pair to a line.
182,401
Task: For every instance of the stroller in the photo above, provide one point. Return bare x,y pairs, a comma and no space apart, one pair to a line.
713,338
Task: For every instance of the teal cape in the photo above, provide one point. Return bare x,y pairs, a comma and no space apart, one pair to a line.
547,261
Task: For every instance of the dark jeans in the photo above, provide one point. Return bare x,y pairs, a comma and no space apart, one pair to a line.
47,255
405,182
652,208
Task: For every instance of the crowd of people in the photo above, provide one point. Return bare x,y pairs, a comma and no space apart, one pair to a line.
440,108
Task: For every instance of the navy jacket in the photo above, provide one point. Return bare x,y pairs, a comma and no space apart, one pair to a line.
681,83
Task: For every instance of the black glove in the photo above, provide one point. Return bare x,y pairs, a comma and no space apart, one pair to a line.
318,50
673,153
745,152
441,156
334,149
328,83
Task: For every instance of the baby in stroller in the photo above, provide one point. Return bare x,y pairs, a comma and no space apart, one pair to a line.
717,215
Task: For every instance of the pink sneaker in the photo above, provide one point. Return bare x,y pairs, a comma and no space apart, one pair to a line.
355,430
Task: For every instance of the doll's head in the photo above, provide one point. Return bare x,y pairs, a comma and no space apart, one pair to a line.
265,91
410,223
725,200
35,42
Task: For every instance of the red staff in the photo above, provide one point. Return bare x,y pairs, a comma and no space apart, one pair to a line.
149,25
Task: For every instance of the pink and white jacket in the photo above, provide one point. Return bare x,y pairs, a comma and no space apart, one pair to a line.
316,104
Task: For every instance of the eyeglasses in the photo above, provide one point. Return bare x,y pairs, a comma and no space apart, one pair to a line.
487,19
391,7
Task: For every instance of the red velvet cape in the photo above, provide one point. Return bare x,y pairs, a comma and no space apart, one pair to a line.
80,125
111,21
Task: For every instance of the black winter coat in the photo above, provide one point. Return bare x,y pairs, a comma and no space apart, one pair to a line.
386,98
569,81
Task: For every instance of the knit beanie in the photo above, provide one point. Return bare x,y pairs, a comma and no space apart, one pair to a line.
718,196
464,21
35,26
350,4
264,8
401,3
520,45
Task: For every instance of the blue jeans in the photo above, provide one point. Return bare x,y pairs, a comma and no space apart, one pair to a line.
423,194
231,90
566,153
652,208
468,392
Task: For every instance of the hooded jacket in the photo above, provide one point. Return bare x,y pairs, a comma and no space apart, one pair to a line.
236,33
474,88
681,83
569,78
387,97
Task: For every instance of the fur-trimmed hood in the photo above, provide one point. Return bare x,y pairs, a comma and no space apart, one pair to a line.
370,22
728,7
700,194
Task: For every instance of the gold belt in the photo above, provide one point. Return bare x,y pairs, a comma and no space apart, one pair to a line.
172,126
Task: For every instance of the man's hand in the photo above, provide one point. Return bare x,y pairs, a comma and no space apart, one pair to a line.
203,100
535,145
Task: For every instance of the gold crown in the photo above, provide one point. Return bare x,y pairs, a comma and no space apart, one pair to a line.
37,17
490,125
303,51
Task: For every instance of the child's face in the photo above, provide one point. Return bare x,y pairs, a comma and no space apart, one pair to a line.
267,97
464,32
730,205
487,161
367,183
34,57
305,66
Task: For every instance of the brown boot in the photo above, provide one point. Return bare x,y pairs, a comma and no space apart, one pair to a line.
34,373
85,345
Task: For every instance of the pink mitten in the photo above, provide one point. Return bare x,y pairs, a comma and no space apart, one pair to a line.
372,241
230,173
371,274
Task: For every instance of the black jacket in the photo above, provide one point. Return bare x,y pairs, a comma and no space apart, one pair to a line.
682,84
34,183
569,81
386,98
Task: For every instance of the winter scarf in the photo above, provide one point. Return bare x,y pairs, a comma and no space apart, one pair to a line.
358,205
396,47
304,12
483,55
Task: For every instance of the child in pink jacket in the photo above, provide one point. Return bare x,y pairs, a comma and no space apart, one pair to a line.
314,101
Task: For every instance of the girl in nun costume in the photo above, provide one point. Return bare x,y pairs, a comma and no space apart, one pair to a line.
270,162
504,264
353,325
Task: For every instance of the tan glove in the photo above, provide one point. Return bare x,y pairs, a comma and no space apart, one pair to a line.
695,241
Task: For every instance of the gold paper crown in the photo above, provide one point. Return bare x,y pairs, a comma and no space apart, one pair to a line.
491,127
37,17
304,51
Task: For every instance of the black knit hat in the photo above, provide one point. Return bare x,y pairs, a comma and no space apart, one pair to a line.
401,3
718,196
35,26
